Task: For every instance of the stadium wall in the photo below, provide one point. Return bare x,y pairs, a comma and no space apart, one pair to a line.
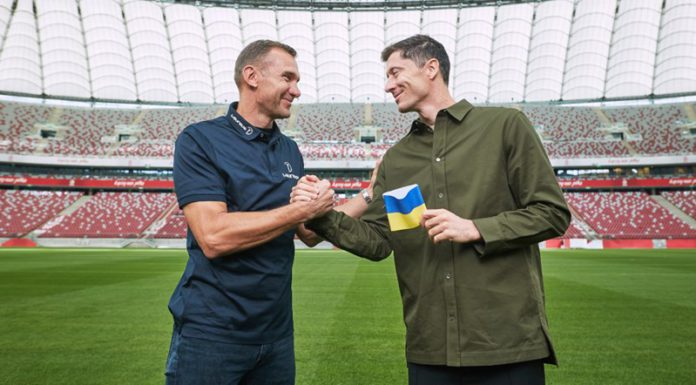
578,243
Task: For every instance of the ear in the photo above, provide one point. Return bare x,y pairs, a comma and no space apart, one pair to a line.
250,76
432,68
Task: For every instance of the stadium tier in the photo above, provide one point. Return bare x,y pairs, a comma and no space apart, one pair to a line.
610,215
24,210
684,200
328,131
394,125
658,127
574,230
154,131
628,215
565,124
608,85
329,123
110,215
174,225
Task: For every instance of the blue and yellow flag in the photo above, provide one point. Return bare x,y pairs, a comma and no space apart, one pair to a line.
405,207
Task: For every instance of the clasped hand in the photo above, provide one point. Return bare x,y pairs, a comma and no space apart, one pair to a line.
315,192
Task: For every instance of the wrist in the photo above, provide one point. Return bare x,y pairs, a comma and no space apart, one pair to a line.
366,195
301,211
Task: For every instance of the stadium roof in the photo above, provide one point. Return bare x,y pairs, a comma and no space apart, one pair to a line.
166,52
345,4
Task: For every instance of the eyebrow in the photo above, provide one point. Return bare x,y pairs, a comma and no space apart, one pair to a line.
292,75
391,69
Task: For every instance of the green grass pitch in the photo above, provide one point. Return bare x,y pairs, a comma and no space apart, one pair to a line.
100,317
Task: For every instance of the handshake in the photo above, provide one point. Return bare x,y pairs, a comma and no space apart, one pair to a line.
314,195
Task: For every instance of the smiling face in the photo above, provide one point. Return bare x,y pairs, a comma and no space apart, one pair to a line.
408,83
277,84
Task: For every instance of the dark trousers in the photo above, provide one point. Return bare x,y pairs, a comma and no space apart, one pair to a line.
193,361
522,373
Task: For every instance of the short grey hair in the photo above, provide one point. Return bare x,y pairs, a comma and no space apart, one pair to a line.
254,53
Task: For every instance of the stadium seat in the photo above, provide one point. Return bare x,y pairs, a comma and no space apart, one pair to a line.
111,215
628,215
25,210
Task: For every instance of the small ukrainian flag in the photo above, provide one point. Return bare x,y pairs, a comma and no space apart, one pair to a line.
405,207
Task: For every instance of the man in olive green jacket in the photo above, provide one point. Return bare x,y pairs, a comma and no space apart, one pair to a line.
470,275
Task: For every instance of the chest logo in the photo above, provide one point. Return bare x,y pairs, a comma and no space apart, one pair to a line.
289,174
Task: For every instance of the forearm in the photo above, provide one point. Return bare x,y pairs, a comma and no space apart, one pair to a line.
228,233
518,228
356,236
355,207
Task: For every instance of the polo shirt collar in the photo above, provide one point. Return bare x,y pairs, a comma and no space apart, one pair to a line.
245,129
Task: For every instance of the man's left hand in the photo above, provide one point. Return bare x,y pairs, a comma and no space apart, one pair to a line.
443,225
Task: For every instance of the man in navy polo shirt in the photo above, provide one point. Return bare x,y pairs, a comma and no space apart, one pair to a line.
233,176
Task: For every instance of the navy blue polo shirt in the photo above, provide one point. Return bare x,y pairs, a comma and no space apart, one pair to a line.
243,297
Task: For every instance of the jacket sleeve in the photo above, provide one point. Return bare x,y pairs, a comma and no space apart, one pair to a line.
366,237
541,211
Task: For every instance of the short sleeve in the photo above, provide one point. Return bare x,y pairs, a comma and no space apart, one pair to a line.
196,178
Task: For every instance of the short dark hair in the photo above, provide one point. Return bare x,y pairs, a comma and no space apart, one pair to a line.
420,49
255,52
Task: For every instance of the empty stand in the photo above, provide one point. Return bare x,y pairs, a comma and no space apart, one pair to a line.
22,211
658,127
628,215
326,130
573,230
329,122
684,200
111,215
569,124
159,129
394,124
174,226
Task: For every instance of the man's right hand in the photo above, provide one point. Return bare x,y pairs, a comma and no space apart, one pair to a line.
314,196
306,189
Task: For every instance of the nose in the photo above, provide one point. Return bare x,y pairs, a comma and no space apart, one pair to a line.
295,91
390,86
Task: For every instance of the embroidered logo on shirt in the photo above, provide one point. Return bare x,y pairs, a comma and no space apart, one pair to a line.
289,174
247,129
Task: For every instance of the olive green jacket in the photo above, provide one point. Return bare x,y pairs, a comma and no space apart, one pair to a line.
467,304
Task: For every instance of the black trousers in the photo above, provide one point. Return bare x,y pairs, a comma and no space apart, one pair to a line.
522,373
